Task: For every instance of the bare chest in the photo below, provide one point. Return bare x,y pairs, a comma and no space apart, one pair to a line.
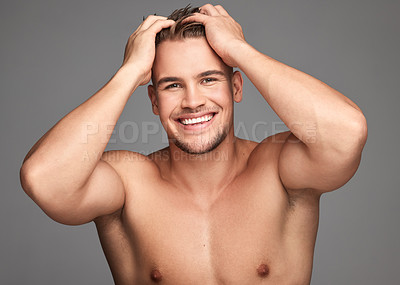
240,239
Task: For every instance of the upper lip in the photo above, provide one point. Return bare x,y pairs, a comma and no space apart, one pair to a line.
195,115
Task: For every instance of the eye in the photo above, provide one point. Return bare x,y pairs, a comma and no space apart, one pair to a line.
208,80
173,85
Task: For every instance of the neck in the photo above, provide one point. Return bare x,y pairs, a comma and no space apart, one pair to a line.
205,175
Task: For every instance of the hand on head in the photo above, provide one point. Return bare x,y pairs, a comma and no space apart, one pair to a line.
140,48
223,33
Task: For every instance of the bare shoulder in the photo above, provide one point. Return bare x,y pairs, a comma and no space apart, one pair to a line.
122,157
260,154
131,167
268,150
263,164
127,162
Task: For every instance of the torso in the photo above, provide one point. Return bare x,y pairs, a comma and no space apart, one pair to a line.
256,232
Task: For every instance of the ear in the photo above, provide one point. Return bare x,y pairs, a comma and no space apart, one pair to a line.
237,86
153,98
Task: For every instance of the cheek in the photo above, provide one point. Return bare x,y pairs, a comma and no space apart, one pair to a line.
222,96
166,106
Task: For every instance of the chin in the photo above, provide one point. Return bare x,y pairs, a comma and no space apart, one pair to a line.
195,149
200,146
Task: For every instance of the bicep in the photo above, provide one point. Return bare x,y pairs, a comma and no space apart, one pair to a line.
102,194
301,167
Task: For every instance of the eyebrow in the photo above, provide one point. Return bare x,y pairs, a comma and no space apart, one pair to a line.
211,72
203,74
167,79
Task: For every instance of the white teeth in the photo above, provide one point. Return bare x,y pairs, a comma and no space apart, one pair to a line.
205,118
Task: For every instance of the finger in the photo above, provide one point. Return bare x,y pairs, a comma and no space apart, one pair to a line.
221,10
196,17
150,20
209,9
160,24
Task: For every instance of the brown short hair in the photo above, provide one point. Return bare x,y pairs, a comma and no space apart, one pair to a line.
181,30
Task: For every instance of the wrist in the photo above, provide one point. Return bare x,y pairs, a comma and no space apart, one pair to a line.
129,77
242,53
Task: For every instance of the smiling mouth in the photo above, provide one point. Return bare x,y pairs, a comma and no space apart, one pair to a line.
196,120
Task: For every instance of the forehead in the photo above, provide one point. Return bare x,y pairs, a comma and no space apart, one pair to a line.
185,58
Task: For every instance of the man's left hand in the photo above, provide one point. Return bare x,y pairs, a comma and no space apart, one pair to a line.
223,33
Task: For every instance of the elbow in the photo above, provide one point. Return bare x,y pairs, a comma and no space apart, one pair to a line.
36,179
32,183
348,138
29,178
35,186
359,132
352,141
58,207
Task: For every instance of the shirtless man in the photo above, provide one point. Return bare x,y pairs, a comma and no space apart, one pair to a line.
210,208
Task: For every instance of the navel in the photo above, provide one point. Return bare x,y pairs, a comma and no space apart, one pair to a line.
155,275
263,270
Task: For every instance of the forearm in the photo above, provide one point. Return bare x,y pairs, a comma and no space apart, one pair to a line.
68,153
317,114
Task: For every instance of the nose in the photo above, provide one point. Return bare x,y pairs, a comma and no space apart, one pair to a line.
192,98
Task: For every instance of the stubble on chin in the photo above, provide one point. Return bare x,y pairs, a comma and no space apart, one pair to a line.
205,143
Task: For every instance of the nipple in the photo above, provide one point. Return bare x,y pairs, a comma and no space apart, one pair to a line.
155,276
263,270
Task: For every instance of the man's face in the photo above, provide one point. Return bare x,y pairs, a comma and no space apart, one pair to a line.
193,93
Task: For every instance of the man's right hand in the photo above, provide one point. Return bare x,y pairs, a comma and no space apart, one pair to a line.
140,48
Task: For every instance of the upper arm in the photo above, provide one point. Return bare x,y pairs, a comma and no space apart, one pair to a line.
102,194
323,170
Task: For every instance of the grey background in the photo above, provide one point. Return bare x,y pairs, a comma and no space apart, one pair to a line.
55,54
